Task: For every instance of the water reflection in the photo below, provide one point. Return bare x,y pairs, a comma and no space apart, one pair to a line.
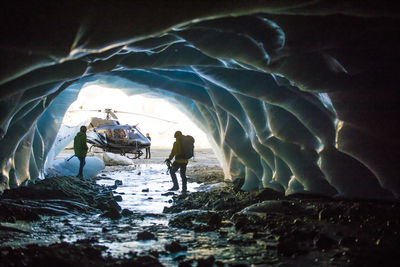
143,186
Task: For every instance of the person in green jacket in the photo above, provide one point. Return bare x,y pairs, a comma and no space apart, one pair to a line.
179,163
80,149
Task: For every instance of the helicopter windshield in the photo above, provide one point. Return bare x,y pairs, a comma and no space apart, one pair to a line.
133,133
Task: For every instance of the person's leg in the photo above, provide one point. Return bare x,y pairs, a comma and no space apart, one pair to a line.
183,176
149,153
172,172
81,164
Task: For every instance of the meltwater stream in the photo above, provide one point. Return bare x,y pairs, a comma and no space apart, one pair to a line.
144,191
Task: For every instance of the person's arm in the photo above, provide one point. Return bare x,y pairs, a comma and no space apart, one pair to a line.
174,151
83,144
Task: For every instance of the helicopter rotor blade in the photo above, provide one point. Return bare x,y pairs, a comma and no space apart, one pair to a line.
113,115
87,110
133,113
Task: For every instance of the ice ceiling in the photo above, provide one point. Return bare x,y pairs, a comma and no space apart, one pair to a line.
294,95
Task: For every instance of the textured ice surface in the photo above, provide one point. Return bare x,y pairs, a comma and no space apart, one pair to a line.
70,167
64,137
299,98
115,159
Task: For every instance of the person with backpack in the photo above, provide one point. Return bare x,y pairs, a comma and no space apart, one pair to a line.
80,149
182,150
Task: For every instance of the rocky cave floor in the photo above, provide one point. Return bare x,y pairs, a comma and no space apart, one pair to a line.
220,226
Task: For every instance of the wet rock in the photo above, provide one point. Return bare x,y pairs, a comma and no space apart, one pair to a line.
206,262
329,213
112,214
198,220
273,207
126,212
237,184
324,242
118,198
174,247
168,194
145,190
118,182
10,212
139,173
183,221
303,235
106,204
179,258
288,247
11,227
348,241
188,263
220,204
145,235
266,194
247,222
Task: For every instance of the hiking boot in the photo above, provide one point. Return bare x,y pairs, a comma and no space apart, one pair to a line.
174,188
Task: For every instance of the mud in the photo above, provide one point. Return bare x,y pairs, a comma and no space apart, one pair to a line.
126,217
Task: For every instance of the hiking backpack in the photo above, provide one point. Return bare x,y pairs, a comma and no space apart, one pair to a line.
187,144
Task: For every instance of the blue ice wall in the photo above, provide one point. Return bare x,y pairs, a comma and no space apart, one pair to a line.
283,92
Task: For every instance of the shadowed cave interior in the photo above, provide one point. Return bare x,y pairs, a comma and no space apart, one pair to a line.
298,97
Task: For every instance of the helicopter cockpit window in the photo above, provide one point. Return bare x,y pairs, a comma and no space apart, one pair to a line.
119,134
133,133
109,134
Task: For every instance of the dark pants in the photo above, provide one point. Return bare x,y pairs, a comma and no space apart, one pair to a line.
82,163
148,154
176,166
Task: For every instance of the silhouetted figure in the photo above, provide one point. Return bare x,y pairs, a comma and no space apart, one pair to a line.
80,149
148,153
179,163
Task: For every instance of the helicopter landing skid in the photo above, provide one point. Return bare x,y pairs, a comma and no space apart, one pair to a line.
138,154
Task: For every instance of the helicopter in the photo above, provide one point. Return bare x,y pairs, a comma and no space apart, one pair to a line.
110,136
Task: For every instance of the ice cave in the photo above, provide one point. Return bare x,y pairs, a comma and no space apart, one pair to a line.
298,97
295,97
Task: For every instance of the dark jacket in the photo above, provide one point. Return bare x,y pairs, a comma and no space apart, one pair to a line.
80,146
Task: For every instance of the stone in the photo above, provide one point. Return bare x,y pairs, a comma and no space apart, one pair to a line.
324,242
174,247
126,212
118,198
145,235
112,214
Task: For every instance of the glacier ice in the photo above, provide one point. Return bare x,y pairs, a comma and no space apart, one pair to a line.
115,159
298,98
70,167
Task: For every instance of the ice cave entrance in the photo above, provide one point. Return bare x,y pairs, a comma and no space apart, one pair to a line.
151,114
